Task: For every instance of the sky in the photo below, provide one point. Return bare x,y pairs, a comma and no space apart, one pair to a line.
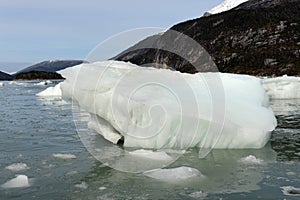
34,30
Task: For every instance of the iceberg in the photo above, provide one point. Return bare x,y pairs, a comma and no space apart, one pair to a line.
285,87
163,109
18,182
1,84
50,92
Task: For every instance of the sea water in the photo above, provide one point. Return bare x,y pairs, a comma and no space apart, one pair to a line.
41,149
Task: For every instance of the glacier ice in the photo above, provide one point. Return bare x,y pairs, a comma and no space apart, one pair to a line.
285,87
18,182
164,109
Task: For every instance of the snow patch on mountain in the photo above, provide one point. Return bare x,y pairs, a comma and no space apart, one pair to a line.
226,5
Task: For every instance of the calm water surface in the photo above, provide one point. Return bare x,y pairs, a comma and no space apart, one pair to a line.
33,129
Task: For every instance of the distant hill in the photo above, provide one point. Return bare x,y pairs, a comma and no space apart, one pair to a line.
258,37
5,76
45,70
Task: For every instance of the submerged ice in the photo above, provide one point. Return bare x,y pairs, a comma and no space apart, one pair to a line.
158,108
174,174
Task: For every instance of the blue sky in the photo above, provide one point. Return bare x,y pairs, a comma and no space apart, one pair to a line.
33,30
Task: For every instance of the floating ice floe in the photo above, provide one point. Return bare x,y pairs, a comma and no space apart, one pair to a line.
17,83
42,83
1,84
164,109
50,92
251,160
290,191
17,167
82,185
174,175
18,182
285,87
198,195
64,156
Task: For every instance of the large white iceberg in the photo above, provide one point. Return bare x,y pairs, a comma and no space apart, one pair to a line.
164,109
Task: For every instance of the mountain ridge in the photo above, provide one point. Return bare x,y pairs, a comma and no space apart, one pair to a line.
45,70
5,77
258,37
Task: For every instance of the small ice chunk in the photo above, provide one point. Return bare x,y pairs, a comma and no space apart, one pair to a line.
72,173
290,191
198,195
63,156
251,160
102,188
173,175
18,182
291,174
82,185
43,83
1,84
17,167
51,92
153,155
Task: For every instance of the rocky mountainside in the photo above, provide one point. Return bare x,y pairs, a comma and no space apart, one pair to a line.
258,37
5,76
45,70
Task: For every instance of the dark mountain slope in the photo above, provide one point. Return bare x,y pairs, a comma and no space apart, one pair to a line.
259,37
46,69
5,76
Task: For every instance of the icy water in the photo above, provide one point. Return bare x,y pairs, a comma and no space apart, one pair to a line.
35,131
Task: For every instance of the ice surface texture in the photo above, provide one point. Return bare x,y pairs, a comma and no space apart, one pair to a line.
163,109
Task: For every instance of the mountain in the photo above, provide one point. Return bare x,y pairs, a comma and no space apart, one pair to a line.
258,37
5,76
225,5
46,69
